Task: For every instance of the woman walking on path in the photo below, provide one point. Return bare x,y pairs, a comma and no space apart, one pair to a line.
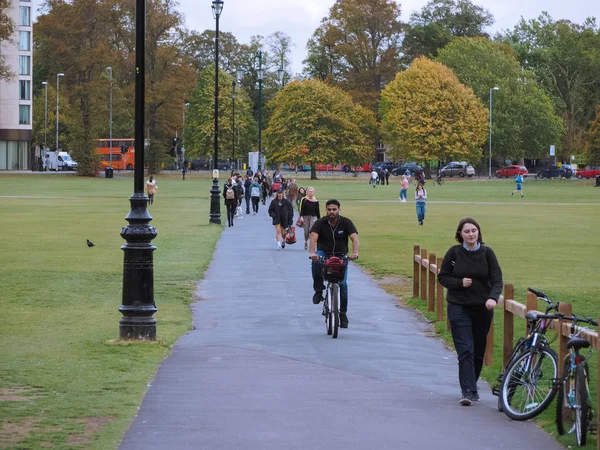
282,212
403,189
231,200
292,191
309,213
255,191
266,189
420,199
471,274
247,196
151,188
301,195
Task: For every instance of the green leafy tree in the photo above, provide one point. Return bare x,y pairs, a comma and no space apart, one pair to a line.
428,115
592,137
199,128
356,47
7,28
566,61
315,123
440,21
525,123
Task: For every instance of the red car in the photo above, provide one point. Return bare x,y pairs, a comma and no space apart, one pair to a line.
588,172
511,171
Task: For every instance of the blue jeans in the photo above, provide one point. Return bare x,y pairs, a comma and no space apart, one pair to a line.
421,211
319,285
403,194
469,326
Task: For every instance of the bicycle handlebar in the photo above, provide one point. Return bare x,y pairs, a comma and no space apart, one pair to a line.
551,305
540,294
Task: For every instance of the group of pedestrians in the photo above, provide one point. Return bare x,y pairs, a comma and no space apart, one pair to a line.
379,176
420,196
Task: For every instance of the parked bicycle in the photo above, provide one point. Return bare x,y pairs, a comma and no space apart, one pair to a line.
527,386
334,270
574,412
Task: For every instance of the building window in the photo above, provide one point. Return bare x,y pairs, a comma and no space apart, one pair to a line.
24,90
24,41
23,114
24,16
24,68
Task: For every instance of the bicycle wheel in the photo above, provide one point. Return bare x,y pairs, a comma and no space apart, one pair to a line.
565,416
335,309
327,312
519,348
527,388
581,405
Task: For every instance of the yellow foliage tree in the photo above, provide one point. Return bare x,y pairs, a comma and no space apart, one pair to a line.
315,123
427,114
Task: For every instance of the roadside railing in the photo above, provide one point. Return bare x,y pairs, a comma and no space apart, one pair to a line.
426,267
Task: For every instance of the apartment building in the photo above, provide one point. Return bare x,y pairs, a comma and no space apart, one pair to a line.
16,95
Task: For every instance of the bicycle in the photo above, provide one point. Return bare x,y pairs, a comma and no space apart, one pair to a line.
574,406
334,270
528,384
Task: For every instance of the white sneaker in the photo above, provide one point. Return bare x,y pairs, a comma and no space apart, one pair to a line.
278,245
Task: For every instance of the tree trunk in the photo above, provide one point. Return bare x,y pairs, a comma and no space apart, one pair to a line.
313,171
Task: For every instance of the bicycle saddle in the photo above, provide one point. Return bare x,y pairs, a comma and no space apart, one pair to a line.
578,343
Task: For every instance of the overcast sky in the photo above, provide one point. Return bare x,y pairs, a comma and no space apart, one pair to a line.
300,18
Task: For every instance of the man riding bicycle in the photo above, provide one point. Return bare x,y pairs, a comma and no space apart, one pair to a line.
329,237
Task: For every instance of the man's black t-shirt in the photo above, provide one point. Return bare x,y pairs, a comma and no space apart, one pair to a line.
333,239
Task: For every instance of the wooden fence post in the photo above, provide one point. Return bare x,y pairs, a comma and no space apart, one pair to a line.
531,304
440,296
423,274
567,310
416,251
431,288
509,325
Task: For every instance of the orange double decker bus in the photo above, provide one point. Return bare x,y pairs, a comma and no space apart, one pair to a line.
123,153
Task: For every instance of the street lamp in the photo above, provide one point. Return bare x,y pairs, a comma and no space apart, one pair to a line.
491,91
58,76
45,83
215,205
111,145
233,96
260,73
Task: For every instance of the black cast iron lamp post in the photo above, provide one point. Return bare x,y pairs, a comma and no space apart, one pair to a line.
215,205
260,73
58,76
138,305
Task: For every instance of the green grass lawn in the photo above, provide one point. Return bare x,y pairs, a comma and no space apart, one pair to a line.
63,381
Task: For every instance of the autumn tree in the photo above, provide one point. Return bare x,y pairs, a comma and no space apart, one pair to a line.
358,44
440,21
315,123
524,124
427,114
199,128
7,28
565,60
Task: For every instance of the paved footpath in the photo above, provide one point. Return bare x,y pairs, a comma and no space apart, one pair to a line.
259,372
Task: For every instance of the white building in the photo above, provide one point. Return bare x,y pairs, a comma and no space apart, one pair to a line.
16,95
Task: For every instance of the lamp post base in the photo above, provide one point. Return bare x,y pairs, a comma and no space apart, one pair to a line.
215,205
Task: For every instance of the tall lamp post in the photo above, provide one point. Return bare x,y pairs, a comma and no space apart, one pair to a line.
215,205
260,73
58,76
45,83
138,305
110,139
233,96
491,91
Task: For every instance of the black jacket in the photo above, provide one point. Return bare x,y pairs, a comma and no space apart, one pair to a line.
282,212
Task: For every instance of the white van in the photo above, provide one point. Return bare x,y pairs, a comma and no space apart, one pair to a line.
58,161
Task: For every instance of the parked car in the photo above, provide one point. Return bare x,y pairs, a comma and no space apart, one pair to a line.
457,168
555,172
511,171
412,166
588,172
385,165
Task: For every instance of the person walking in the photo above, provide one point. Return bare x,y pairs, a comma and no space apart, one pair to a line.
309,213
301,195
387,177
403,189
374,177
184,170
255,192
231,200
420,199
247,196
266,189
292,191
473,278
151,188
282,213
519,189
